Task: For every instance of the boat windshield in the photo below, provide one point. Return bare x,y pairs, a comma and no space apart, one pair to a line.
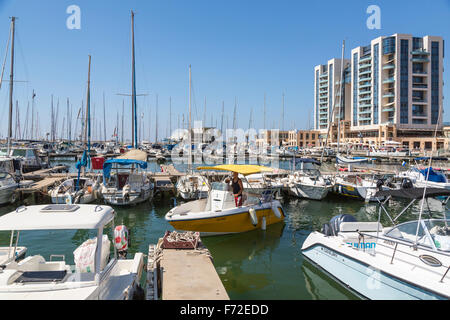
436,231
220,186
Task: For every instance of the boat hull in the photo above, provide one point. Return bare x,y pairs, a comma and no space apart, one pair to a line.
365,280
228,221
118,199
308,192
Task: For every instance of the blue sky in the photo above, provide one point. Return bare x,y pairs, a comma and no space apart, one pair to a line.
237,49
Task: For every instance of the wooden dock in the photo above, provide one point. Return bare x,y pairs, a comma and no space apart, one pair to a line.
182,274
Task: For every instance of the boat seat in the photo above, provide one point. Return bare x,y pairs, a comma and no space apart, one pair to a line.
360,226
41,276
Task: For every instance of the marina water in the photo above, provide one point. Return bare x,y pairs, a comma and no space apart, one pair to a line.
253,265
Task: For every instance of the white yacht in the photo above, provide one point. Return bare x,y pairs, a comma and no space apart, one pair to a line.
192,186
418,177
8,186
74,190
95,274
129,185
307,182
410,260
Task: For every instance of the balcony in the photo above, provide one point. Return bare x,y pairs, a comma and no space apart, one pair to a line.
323,86
420,85
420,115
388,95
388,80
365,79
388,67
365,64
366,118
419,100
365,72
366,85
366,58
418,59
419,72
365,112
365,99
324,75
420,52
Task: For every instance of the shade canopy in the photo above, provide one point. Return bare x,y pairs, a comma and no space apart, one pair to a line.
134,154
414,193
244,169
57,217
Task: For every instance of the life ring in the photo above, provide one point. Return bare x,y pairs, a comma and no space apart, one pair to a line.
253,217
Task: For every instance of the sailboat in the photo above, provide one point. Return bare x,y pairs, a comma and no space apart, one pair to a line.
128,184
192,185
81,189
8,184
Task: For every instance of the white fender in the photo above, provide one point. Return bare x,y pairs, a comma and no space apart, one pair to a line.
253,217
276,212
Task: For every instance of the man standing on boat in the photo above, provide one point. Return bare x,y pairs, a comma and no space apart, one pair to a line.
238,188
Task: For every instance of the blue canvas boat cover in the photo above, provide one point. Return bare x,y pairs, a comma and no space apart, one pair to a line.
433,175
122,162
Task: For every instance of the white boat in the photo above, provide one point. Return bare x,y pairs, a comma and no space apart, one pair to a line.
83,190
418,177
357,187
410,260
29,159
219,214
307,182
343,160
129,185
35,278
260,183
389,150
8,186
192,186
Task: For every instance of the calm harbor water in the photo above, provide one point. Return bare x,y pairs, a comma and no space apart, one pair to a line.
253,265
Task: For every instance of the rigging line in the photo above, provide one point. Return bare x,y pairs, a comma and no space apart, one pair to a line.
24,61
6,55
428,174
193,99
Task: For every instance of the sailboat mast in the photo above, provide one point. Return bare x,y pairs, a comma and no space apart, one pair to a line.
133,86
104,117
189,132
87,127
11,81
340,95
170,117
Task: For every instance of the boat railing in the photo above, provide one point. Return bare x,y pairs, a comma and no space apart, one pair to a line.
409,245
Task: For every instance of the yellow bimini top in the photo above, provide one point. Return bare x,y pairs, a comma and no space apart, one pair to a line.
244,169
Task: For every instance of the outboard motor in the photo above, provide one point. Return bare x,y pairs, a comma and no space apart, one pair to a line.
380,183
333,227
121,240
406,184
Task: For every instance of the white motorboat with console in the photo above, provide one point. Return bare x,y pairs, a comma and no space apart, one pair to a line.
220,214
410,260
95,274
192,186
